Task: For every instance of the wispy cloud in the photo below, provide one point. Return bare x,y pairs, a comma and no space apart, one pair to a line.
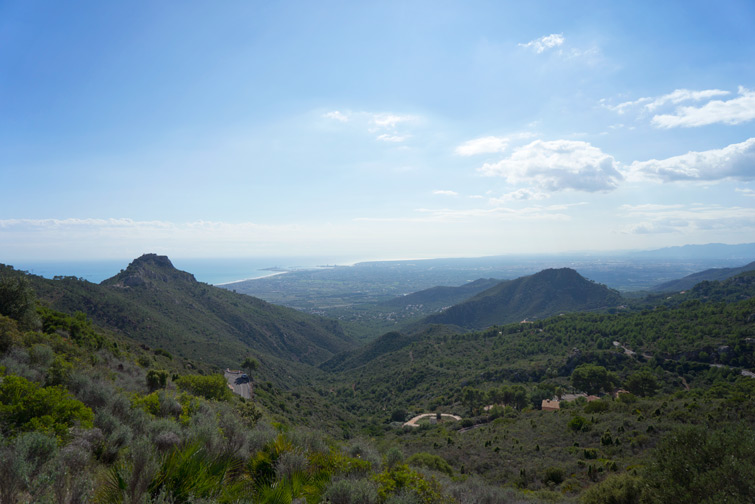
441,192
657,219
119,237
544,43
558,165
684,95
522,194
484,145
650,104
385,137
734,111
336,115
746,192
386,126
389,121
734,161
448,215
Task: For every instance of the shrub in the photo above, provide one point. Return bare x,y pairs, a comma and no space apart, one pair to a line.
18,301
214,387
394,457
398,415
290,463
695,464
400,481
347,491
578,423
553,475
431,461
615,489
156,379
9,333
25,406
597,406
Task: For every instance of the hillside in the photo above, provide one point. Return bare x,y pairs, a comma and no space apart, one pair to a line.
713,274
549,292
435,298
99,404
160,306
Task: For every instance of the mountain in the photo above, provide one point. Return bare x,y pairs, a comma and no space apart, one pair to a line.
154,303
549,292
439,297
713,274
709,251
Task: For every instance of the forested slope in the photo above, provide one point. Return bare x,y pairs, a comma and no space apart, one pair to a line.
160,306
549,292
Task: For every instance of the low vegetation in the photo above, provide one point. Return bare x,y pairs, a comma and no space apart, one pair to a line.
90,414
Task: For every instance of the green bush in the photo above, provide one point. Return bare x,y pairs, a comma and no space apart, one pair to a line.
579,423
431,461
212,387
695,464
615,489
156,378
25,406
346,491
18,301
600,406
553,475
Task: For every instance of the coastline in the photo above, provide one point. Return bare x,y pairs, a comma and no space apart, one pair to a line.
251,278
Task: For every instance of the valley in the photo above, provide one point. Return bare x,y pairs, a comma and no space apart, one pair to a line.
442,404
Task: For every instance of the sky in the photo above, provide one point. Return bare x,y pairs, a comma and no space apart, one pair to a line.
373,130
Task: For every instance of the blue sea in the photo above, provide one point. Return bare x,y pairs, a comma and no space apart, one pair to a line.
211,271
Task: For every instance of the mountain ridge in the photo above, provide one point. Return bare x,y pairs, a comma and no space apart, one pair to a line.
549,292
156,304
711,274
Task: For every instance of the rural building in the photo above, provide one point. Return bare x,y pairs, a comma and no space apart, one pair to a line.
550,405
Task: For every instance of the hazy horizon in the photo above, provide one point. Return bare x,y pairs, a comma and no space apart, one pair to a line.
384,130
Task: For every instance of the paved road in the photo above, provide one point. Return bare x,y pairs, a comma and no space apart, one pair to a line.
238,384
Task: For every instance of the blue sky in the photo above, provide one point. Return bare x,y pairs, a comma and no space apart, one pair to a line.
373,130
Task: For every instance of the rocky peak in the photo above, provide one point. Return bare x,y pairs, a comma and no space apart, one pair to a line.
149,269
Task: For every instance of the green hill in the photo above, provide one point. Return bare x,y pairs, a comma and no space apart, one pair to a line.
710,275
155,304
549,292
439,297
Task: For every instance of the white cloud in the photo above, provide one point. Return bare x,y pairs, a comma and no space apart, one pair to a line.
392,138
389,121
337,115
520,195
387,127
558,165
544,43
734,111
682,95
746,192
445,193
446,215
736,161
484,145
650,104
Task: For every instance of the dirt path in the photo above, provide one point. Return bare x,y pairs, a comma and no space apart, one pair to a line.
413,421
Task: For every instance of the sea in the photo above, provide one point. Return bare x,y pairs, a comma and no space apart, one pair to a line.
213,271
